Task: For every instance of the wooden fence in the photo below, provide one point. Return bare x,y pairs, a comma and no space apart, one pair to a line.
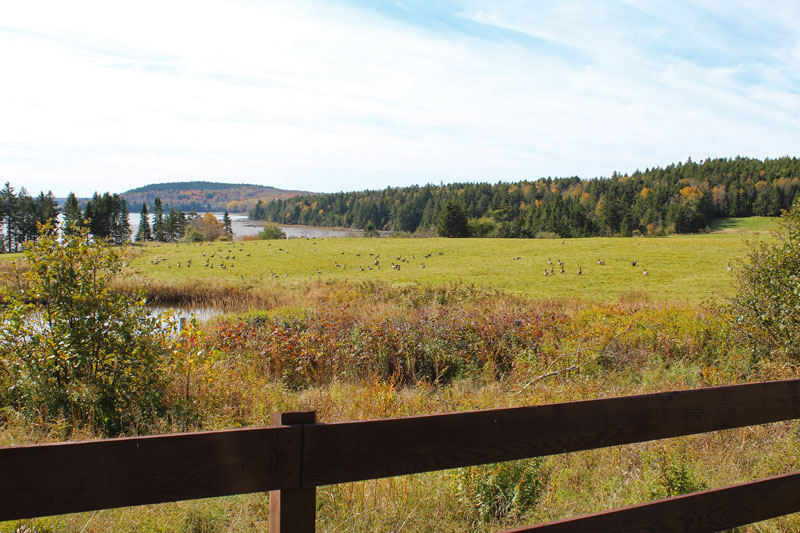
296,455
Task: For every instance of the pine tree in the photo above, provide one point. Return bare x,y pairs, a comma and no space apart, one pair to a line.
159,230
73,218
227,225
453,220
9,204
145,233
121,226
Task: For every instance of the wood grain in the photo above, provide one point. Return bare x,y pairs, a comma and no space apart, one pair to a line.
293,510
707,511
352,451
70,477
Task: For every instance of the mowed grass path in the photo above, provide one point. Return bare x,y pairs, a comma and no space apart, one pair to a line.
689,268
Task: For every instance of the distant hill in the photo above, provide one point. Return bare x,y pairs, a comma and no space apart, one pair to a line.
201,196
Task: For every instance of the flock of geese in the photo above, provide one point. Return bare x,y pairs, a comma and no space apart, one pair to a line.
223,257
551,271
376,262
218,258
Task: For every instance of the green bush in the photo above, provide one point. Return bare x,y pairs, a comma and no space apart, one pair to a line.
482,227
370,230
271,231
71,350
677,474
502,490
766,308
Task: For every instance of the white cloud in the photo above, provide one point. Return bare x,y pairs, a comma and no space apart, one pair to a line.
326,96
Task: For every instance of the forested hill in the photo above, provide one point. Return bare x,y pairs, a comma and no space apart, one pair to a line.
680,198
202,196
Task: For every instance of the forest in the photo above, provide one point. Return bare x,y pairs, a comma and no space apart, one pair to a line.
680,198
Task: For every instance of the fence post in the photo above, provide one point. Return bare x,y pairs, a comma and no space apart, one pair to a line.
293,510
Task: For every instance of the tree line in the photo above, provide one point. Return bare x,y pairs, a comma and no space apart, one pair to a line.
104,216
680,198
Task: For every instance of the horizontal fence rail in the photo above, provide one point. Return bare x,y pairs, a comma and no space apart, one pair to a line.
353,451
296,455
707,511
70,477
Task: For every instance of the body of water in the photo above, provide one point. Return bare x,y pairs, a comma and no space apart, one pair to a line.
242,227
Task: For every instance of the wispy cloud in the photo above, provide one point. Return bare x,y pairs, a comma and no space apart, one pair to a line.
353,94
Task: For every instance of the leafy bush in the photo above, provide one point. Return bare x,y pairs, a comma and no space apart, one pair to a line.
677,475
766,308
271,231
72,349
370,230
482,227
502,490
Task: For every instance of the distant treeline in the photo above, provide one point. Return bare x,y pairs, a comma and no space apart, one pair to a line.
21,214
681,198
202,196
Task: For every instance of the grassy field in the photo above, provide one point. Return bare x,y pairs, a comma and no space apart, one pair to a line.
688,268
423,340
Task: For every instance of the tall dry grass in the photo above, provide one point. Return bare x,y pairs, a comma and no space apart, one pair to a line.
505,351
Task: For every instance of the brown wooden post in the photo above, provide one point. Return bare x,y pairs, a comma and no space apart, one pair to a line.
293,509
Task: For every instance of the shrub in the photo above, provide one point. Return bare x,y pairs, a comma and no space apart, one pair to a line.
370,230
766,308
502,490
482,227
677,474
72,349
271,231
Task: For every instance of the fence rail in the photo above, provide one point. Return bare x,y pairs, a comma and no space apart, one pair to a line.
295,455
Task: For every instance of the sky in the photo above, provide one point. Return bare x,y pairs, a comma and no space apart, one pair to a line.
345,95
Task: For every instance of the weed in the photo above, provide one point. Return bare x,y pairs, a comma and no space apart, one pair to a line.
501,490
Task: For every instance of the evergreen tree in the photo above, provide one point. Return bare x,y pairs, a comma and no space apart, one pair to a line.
73,218
174,225
453,220
26,217
227,224
107,217
47,209
145,233
159,230
8,200
121,226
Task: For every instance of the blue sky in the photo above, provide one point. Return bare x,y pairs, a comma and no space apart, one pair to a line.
349,95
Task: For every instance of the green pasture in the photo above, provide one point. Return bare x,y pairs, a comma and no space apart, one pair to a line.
688,268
